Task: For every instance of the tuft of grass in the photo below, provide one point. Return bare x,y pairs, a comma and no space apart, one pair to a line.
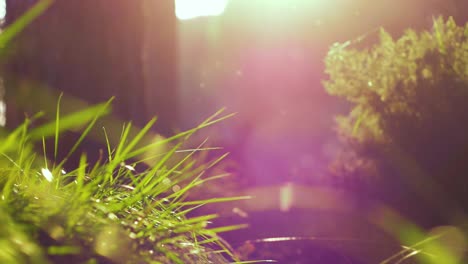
107,212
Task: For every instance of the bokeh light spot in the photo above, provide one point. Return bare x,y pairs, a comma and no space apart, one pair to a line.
286,197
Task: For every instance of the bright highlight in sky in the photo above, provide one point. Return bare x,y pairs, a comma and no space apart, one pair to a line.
2,9
188,9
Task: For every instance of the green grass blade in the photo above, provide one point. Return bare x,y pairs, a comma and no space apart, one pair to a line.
215,200
101,111
118,157
44,152
227,228
109,152
81,174
186,134
73,121
57,126
138,137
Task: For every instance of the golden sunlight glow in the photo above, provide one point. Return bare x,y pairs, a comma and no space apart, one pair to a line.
188,9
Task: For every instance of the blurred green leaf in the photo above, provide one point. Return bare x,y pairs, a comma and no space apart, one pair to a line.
21,23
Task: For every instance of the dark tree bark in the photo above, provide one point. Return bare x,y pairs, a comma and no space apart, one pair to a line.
95,49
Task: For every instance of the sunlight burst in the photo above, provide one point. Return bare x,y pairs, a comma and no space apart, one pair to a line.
188,9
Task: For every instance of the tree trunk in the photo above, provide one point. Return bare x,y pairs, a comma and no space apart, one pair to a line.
95,49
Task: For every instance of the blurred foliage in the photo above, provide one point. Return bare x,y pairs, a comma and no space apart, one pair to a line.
20,24
409,111
405,136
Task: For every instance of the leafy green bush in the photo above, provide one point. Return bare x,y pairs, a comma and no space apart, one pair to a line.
409,116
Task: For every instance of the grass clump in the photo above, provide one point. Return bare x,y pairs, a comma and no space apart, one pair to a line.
106,212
